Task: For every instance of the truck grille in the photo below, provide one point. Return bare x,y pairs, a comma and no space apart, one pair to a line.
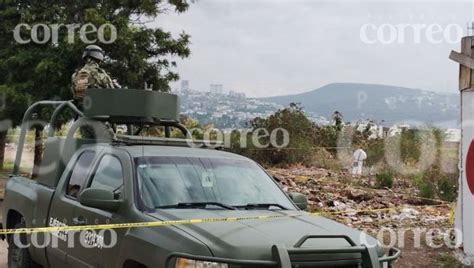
349,256
323,260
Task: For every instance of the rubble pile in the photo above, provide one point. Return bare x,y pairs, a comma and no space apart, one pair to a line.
355,201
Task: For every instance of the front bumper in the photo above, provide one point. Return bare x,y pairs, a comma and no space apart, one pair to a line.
297,256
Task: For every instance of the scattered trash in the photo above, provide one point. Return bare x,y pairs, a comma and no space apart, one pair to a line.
352,201
407,213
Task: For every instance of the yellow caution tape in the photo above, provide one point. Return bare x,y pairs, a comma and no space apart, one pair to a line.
187,221
452,214
140,224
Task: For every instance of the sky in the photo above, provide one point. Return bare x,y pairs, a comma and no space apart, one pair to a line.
280,47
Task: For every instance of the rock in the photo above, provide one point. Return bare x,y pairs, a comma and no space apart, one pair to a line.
358,195
301,179
367,220
340,205
408,213
290,182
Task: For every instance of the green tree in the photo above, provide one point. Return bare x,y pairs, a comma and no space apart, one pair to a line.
301,137
338,120
30,72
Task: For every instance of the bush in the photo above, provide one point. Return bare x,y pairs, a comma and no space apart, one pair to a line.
426,189
321,158
424,184
301,141
384,179
375,151
447,187
433,183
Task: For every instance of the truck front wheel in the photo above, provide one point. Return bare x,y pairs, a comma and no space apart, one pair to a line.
19,257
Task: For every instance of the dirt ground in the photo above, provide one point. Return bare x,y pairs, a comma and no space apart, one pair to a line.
382,212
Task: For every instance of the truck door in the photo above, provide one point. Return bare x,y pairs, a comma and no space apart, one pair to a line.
100,248
62,207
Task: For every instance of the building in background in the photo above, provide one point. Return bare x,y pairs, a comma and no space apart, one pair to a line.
184,85
216,88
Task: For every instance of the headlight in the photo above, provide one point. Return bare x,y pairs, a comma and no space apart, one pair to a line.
188,263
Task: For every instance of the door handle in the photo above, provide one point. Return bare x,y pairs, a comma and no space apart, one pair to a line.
79,221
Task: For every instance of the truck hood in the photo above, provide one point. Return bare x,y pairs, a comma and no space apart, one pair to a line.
253,239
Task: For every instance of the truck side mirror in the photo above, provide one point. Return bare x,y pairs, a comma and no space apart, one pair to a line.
99,198
300,200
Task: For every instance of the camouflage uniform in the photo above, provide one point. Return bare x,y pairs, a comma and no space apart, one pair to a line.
89,76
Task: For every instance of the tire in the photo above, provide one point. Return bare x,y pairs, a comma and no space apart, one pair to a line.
19,257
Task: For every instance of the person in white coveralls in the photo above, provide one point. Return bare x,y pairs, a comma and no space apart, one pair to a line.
359,157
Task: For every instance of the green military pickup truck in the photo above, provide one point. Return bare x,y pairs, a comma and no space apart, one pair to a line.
113,179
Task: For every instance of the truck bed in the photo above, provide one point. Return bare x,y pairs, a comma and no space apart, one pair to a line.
31,200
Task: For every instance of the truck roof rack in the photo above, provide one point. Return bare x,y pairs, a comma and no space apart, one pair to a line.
136,108
139,140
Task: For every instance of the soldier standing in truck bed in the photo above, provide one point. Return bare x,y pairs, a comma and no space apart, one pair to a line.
91,75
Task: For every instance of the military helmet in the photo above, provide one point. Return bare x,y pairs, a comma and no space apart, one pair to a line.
94,52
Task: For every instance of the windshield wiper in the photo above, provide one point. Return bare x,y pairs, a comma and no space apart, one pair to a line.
198,205
262,205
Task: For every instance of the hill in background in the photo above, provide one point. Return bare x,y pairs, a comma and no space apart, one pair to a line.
378,102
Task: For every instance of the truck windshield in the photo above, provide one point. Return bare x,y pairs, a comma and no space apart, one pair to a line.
181,182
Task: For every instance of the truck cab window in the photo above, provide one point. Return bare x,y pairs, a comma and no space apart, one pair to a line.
79,173
109,174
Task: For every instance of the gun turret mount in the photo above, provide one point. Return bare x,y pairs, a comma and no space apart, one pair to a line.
128,106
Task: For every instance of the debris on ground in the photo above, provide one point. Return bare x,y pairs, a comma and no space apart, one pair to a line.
356,201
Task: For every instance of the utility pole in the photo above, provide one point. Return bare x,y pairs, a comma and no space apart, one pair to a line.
465,206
